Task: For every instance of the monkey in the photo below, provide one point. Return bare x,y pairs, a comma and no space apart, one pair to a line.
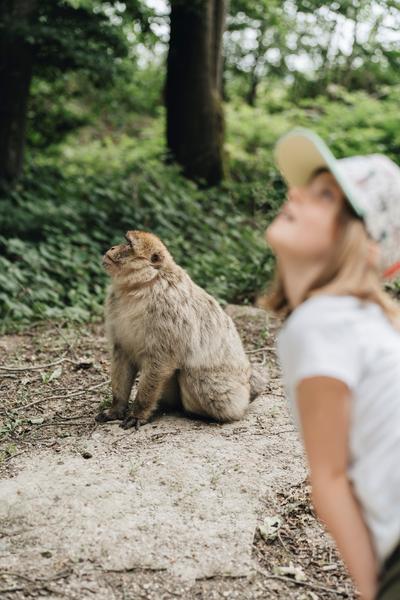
162,325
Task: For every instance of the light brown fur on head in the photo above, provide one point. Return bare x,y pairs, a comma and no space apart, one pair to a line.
145,244
137,262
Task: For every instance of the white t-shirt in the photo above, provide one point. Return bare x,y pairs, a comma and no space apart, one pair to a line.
353,341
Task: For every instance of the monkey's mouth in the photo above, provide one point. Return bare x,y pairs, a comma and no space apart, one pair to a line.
108,261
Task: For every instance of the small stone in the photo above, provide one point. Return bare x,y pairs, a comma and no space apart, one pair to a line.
46,554
86,454
269,530
36,420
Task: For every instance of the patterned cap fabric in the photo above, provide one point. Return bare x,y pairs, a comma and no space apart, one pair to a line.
370,183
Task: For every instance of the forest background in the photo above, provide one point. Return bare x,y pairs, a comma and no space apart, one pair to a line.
163,116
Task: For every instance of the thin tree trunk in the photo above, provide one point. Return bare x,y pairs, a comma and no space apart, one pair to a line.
219,20
224,87
251,95
195,126
260,51
16,63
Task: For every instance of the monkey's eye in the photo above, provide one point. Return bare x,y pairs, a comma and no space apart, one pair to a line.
154,258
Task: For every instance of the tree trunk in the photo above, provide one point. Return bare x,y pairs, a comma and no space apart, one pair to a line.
16,63
195,125
220,10
251,95
260,51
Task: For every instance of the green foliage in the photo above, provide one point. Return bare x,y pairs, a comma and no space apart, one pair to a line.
76,201
77,48
135,91
309,44
351,123
71,101
95,169
368,56
78,198
86,66
57,223
63,36
256,45
54,111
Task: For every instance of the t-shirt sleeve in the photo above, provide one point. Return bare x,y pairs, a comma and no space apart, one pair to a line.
326,348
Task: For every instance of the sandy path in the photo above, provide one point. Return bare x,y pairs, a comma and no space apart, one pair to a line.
168,511
178,494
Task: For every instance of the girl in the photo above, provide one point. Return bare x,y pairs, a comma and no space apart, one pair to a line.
339,347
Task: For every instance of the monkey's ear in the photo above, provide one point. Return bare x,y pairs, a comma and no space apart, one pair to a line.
130,238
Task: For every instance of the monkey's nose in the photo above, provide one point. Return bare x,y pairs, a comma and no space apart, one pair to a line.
108,256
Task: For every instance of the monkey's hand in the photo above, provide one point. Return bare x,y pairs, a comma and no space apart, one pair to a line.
110,414
132,421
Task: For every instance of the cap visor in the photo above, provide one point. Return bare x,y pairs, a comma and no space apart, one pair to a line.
299,153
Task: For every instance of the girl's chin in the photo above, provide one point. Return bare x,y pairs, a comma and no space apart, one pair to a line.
285,246
279,236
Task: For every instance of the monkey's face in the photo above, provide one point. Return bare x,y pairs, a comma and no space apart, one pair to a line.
140,257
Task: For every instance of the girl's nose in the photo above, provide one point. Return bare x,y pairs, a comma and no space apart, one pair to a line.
295,194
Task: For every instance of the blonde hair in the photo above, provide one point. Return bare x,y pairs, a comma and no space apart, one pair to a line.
349,272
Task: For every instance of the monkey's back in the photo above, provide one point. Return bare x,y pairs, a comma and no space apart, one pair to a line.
175,323
174,316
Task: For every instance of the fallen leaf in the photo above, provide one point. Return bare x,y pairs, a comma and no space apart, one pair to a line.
296,572
270,528
84,363
55,374
36,420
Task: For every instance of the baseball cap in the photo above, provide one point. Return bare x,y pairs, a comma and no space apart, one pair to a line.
370,183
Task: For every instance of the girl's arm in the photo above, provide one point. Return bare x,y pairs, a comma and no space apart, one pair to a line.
324,407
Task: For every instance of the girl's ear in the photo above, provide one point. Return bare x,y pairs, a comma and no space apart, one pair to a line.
373,254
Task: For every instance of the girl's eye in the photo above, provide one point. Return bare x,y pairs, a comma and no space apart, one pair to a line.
327,194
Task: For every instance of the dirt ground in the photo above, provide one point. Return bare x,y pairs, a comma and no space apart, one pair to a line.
181,508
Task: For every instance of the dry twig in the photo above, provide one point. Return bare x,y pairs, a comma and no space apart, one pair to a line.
61,575
34,367
311,585
59,361
14,455
263,349
63,396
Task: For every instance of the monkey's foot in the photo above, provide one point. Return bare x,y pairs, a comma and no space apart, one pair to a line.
131,421
110,414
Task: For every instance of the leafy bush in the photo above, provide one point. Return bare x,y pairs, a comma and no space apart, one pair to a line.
60,107
56,224
350,123
77,199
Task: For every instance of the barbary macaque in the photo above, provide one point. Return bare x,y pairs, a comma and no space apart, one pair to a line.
176,336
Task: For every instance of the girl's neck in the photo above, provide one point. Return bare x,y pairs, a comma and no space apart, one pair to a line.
297,278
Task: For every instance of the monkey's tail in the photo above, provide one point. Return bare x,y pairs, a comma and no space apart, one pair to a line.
259,379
